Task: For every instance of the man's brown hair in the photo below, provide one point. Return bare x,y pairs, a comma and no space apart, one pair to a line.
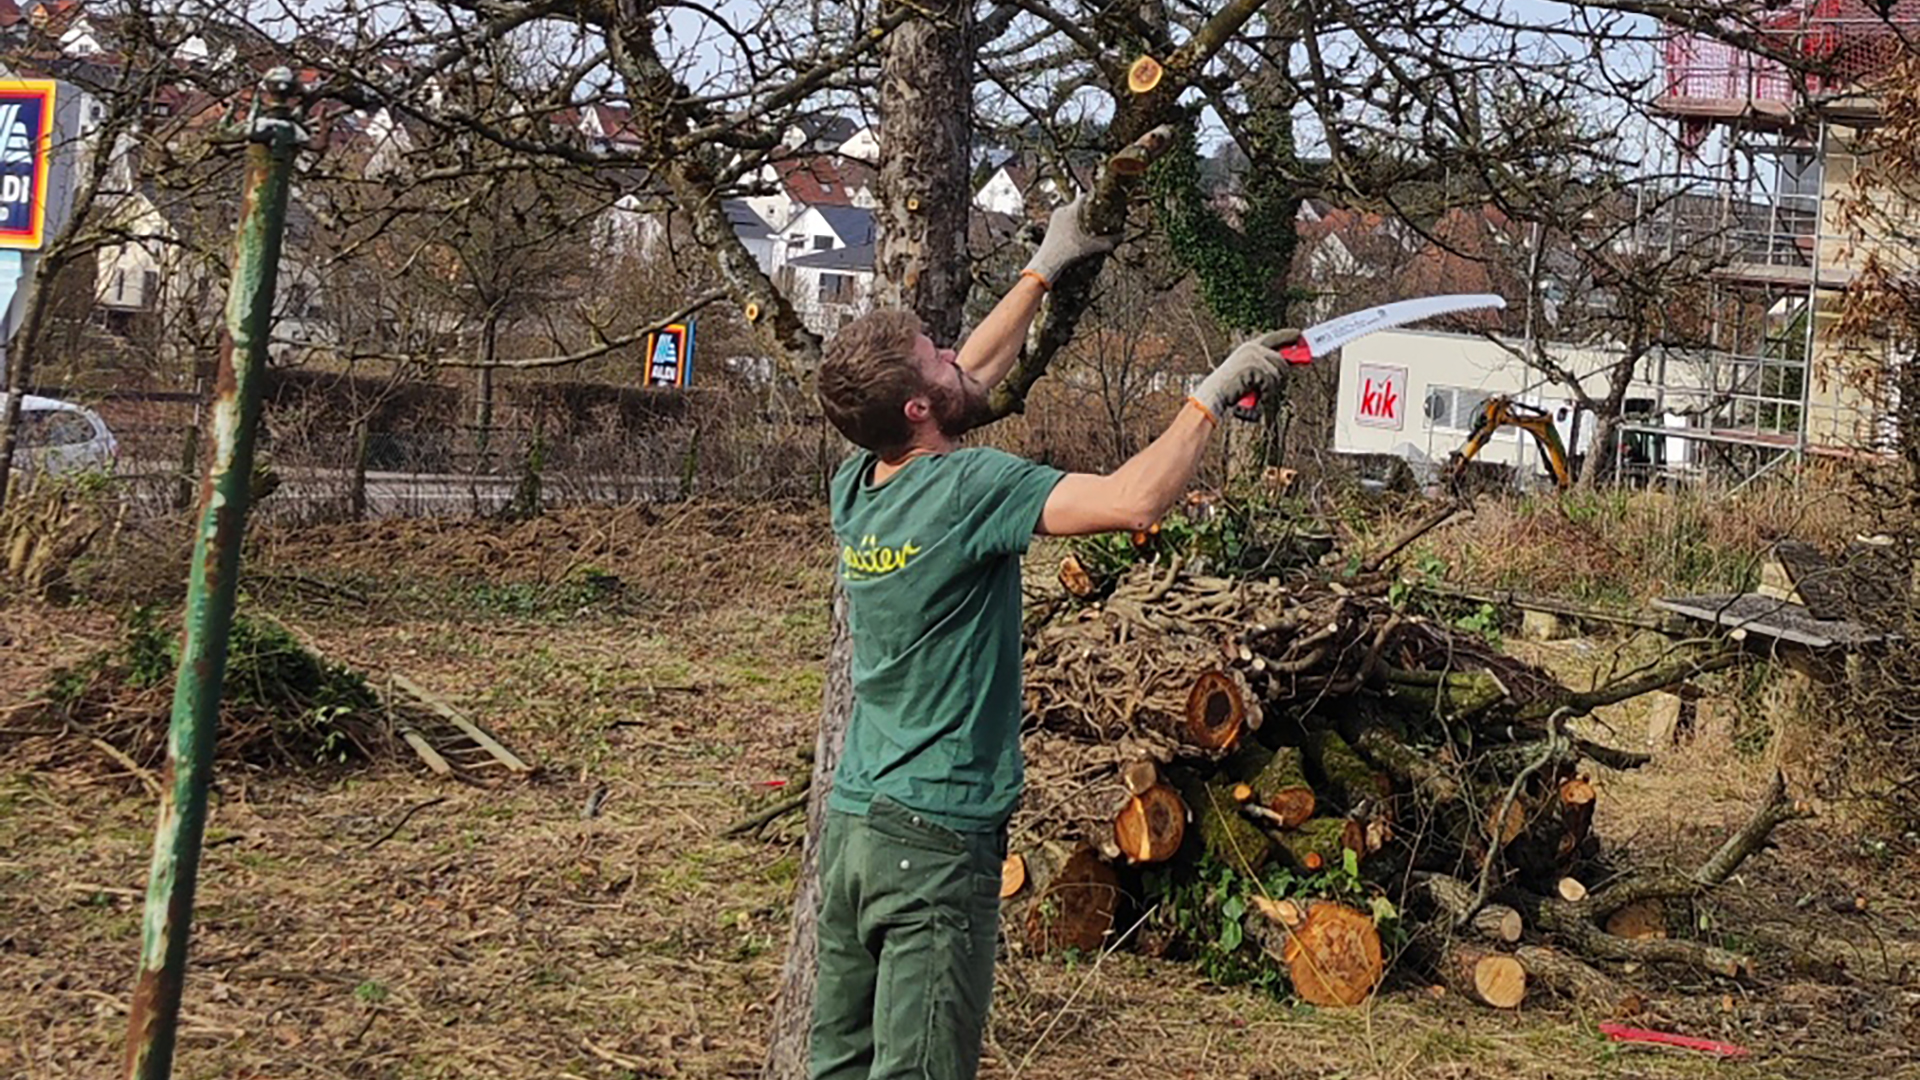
866,377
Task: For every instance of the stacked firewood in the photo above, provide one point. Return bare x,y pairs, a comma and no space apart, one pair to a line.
1389,771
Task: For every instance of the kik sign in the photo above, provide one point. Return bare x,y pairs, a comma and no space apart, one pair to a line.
26,142
1383,396
670,355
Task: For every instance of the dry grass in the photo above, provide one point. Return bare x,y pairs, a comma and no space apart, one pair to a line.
1623,546
498,933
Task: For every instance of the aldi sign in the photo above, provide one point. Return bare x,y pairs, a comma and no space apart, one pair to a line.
26,144
1382,400
670,355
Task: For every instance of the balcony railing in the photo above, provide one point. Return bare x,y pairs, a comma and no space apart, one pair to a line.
1822,47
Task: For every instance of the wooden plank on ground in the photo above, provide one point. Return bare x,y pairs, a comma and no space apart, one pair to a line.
453,716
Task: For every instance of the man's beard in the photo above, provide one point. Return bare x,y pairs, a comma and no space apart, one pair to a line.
958,411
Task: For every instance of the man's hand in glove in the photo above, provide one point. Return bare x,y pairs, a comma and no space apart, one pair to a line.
1067,242
1254,366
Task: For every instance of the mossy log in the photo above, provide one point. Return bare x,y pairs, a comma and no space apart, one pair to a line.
1278,781
1218,825
1446,695
1322,842
1357,788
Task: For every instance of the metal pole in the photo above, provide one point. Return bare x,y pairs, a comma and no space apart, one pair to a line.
1813,292
224,494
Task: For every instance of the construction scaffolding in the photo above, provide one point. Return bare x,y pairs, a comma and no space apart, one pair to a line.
1765,136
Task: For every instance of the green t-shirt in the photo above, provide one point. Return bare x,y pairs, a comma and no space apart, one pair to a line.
931,564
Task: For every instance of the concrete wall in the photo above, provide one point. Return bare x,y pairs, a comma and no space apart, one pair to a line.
1846,403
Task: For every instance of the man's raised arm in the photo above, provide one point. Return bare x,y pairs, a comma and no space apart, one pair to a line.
989,352
1137,493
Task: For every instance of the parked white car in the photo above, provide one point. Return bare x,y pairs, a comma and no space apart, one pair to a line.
58,437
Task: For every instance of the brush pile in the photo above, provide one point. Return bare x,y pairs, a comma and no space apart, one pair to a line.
282,706
1288,777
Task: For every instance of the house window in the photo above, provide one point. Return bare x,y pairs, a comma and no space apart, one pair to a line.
823,243
150,287
826,189
1454,407
836,288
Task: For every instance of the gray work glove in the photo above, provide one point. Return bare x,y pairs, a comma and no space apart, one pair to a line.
1067,242
1254,365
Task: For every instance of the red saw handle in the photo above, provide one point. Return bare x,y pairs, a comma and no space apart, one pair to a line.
1248,407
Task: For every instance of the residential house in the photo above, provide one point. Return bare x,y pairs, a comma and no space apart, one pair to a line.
1008,190
754,231
823,262
67,24
153,274
831,288
1789,143
1016,189
796,183
831,135
1346,259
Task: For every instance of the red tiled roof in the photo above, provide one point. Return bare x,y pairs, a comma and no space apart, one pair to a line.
9,13
823,180
1462,257
1342,221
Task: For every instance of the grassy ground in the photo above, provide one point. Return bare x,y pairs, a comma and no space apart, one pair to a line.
674,660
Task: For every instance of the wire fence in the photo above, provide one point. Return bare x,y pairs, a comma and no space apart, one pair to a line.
333,469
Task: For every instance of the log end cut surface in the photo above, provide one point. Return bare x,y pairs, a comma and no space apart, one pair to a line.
1216,711
1500,981
1152,825
1337,960
1013,875
1076,910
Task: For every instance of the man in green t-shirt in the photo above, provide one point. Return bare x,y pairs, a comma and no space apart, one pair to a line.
930,538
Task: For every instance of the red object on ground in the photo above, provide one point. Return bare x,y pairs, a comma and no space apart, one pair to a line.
1623,1033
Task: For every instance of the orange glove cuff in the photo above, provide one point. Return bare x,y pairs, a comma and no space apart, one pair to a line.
1204,411
1035,275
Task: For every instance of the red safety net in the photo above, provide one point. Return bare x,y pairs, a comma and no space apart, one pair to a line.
1839,42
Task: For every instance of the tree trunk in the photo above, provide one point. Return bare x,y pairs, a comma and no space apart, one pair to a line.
362,447
1600,461
926,135
793,1010
926,125
482,414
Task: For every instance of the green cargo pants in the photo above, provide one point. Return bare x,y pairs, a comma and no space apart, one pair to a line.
909,919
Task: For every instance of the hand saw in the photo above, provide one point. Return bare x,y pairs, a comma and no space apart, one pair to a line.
1318,341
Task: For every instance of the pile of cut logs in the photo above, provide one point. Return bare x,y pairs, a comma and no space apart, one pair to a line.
1178,723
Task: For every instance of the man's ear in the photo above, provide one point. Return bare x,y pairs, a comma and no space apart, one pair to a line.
919,409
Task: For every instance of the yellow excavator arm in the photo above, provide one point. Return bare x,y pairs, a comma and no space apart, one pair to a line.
1499,412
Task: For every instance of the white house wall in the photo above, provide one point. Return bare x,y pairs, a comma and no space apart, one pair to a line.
797,239
863,146
1406,366
824,317
121,270
1001,195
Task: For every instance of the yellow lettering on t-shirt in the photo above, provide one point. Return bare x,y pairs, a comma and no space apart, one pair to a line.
874,559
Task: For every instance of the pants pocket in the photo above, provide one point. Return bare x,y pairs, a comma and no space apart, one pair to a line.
907,826
935,988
